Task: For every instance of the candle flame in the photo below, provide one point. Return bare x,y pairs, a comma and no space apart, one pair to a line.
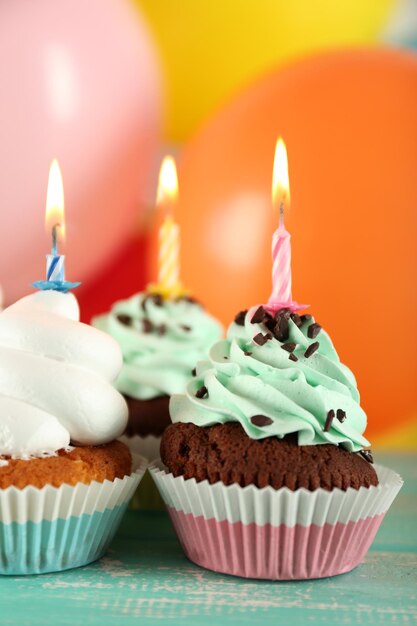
168,182
280,181
54,214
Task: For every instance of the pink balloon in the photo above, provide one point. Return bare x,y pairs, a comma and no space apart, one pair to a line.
79,81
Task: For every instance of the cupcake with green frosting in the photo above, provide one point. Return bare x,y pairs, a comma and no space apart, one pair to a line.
276,378
265,470
161,340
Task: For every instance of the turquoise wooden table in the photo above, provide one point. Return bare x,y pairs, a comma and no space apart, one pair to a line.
145,579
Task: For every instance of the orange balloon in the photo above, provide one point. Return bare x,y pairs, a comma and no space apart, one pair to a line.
350,125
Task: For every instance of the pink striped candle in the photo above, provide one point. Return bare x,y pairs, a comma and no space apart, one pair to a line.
281,267
281,295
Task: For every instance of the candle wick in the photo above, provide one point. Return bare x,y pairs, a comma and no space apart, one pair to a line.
55,239
281,214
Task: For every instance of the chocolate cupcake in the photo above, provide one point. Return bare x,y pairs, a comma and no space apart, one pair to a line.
225,452
266,472
161,340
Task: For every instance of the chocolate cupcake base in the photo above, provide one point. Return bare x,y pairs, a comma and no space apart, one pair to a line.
225,453
147,417
147,421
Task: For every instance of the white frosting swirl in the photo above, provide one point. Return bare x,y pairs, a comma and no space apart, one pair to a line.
55,378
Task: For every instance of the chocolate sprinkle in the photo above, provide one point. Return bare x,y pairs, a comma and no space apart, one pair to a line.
240,318
247,353
341,415
367,455
313,331
292,357
270,323
296,319
156,299
259,316
147,326
312,348
283,313
306,318
162,329
194,372
261,339
261,420
330,417
281,329
289,347
202,392
126,320
185,327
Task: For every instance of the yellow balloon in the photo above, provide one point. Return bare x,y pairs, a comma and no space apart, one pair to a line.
210,48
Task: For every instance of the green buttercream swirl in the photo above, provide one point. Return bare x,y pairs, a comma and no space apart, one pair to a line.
161,343
296,396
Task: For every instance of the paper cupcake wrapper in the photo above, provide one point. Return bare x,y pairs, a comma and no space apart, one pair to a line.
147,447
147,495
275,534
57,528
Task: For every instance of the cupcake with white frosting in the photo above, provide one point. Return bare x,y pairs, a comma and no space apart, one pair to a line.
61,468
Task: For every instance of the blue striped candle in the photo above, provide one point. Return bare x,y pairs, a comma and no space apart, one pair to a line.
55,263
55,267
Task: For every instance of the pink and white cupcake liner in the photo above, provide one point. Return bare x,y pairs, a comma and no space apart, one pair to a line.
275,534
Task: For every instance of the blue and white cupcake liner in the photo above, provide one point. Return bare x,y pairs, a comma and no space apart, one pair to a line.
58,528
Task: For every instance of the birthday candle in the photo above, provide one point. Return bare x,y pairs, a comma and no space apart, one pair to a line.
55,222
169,233
281,295
281,268
169,248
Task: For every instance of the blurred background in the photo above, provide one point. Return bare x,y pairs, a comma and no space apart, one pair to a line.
108,87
